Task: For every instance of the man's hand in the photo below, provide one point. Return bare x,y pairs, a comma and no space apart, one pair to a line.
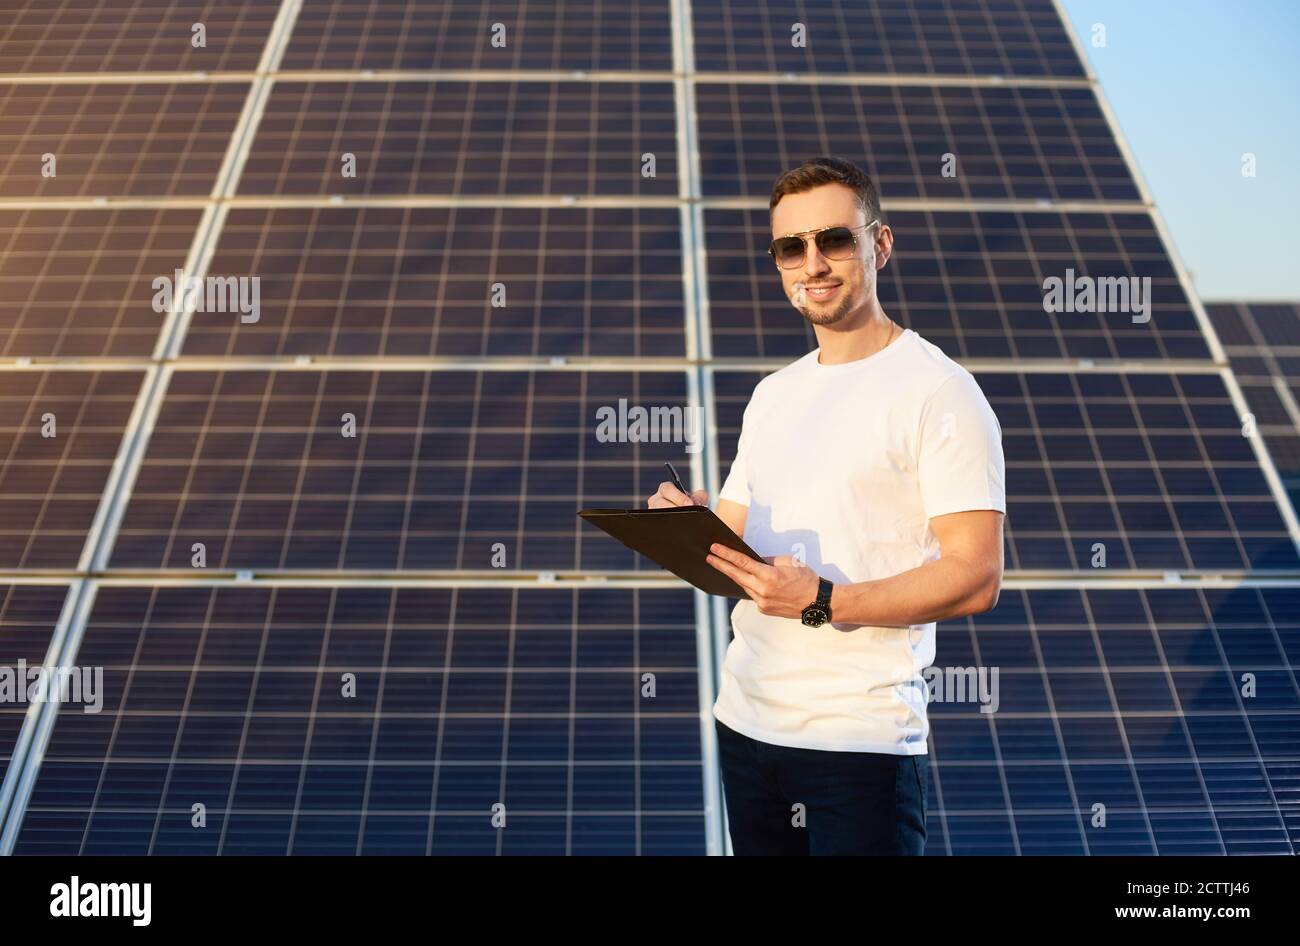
782,588
670,495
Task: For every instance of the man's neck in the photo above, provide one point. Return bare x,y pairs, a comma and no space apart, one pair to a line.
840,344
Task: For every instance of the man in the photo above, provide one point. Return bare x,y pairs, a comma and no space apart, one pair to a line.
871,470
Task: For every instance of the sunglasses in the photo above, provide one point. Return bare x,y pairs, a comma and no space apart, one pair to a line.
836,243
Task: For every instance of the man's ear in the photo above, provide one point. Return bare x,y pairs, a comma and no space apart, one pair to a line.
884,246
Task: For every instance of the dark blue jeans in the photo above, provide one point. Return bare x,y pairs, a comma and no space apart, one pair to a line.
853,802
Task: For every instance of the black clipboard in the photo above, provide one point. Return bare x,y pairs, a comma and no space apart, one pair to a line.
677,538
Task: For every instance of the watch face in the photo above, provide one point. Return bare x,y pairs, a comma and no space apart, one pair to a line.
814,616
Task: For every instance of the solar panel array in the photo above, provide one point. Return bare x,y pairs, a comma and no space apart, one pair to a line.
1121,725
231,699
325,552
408,281
971,282
59,433
133,36
1010,142
76,282
139,139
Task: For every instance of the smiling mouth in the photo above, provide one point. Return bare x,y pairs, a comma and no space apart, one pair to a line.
824,292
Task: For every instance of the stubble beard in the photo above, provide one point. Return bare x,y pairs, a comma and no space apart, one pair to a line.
816,315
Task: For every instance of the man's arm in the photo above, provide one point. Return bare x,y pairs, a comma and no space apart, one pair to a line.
734,515
964,580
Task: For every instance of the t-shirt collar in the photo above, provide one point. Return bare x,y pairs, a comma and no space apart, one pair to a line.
860,362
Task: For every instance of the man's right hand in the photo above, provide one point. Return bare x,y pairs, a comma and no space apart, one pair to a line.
670,495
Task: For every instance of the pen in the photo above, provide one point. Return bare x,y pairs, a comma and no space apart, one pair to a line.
677,480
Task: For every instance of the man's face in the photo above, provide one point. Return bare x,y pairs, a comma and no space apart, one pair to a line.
851,282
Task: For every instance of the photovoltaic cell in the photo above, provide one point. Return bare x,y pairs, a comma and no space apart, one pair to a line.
969,281
115,140
1021,143
442,34
78,283
28,614
1125,699
447,470
133,35
59,435
238,699
509,281
1152,467
512,138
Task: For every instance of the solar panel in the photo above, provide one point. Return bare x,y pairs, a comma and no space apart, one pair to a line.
442,34
1262,341
571,282
59,436
1255,330
1006,142
969,281
981,37
1120,725
1153,467
379,721
138,139
77,283
28,614
133,35
444,470
539,137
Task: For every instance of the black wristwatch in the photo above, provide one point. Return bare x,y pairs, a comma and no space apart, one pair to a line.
819,612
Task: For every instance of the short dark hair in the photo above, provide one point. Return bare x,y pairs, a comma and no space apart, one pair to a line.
827,170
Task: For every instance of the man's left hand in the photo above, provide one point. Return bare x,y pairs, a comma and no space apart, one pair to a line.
782,588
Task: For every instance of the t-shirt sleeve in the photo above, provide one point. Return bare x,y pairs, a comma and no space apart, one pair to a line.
736,485
960,463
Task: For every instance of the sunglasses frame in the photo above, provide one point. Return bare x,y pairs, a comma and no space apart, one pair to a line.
771,247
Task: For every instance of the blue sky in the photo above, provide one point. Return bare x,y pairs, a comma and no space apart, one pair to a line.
1195,84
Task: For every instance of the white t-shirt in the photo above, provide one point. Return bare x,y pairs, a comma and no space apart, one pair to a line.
844,465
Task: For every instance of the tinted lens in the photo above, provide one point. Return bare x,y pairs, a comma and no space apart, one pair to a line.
835,243
788,251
